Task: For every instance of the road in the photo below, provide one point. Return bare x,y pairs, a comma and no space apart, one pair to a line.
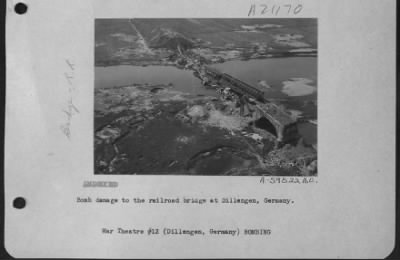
141,40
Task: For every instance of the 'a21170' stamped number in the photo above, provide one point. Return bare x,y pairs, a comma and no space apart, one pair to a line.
274,9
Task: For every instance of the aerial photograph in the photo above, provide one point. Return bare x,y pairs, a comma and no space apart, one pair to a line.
210,97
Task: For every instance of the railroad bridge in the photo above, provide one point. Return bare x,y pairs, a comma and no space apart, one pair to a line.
285,126
266,113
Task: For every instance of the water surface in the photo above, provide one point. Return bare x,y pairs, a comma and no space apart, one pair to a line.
273,71
182,80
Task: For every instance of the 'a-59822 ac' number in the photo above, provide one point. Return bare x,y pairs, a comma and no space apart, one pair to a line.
295,180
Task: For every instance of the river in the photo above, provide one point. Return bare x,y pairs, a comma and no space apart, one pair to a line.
182,80
270,75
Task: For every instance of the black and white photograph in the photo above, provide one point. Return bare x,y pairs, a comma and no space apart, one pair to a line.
207,129
206,96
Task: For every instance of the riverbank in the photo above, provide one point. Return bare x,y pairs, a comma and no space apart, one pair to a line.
268,75
216,59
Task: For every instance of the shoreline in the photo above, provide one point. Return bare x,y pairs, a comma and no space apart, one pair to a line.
144,63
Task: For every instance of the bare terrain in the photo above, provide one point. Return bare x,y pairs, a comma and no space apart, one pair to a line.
156,130
154,41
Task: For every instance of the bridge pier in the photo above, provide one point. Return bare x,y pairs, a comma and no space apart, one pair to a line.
280,134
284,131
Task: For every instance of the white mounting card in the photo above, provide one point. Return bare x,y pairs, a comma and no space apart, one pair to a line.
189,129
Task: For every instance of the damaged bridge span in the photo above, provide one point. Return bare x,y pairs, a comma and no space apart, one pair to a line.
284,124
